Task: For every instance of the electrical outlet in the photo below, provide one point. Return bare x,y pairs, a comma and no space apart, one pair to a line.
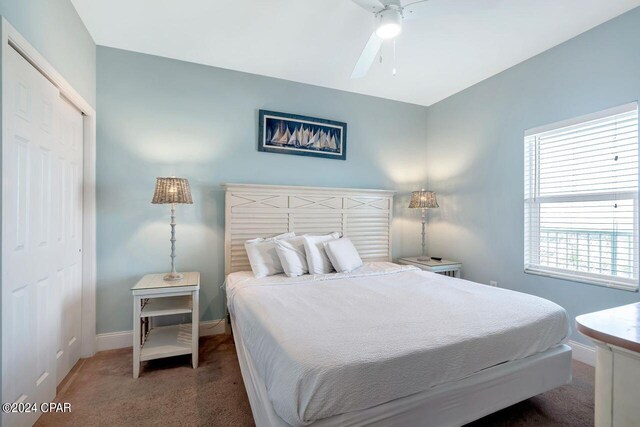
493,283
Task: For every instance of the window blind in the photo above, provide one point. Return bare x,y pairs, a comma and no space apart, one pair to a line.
581,199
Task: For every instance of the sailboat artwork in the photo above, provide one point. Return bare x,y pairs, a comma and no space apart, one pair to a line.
304,136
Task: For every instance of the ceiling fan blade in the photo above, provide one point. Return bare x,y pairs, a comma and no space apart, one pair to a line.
367,57
413,9
374,6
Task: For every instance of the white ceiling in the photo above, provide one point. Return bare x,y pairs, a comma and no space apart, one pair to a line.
452,45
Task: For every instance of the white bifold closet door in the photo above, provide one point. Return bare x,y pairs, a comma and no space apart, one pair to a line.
41,237
67,188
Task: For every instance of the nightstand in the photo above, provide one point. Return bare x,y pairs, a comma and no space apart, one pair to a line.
154,297
444,267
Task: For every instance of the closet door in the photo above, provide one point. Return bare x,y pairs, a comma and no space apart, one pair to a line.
41,239
67,186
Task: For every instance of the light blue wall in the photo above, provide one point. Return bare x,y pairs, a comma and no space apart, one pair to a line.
161,117
54,28
475,155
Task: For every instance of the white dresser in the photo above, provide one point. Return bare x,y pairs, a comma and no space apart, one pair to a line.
616,333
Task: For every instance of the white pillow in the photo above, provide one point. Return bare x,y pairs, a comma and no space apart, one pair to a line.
343,255
317,258
262,255
292,256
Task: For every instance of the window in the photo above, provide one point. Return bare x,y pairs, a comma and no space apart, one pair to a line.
581,199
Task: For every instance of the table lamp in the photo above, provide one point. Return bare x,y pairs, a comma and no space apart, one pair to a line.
172,191
423,200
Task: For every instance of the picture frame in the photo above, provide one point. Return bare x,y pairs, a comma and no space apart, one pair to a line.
298,135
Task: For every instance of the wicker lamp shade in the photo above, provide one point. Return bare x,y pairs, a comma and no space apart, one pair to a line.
423,200
172,190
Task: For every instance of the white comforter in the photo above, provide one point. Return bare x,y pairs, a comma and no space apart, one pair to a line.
336,343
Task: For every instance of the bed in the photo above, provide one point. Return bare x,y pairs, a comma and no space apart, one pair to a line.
384,344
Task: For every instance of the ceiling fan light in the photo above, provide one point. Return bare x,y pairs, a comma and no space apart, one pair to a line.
389,24
388,31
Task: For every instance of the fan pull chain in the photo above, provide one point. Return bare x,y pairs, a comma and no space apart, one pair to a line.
394,58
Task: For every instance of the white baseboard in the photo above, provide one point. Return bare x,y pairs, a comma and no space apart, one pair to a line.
113,340
123,339
583,353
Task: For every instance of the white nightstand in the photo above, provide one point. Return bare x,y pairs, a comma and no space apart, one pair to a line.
445,267
152,297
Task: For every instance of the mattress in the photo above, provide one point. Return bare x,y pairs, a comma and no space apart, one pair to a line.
334,344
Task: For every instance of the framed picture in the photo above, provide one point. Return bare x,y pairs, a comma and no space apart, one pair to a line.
303,136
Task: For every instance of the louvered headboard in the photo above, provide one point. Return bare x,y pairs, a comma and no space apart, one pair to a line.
266,210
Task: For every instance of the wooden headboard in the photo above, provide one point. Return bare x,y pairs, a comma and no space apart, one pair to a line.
266,210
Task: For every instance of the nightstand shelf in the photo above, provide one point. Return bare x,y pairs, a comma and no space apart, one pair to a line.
444,267
167,306
166,341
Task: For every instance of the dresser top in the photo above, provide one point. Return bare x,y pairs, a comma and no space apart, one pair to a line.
619,326
429,262
156,281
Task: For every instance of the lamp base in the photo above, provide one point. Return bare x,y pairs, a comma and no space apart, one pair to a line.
424,258
173,277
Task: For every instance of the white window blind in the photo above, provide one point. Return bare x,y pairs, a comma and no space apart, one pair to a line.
581,199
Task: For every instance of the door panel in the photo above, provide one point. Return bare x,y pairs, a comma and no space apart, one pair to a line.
41,226
69,146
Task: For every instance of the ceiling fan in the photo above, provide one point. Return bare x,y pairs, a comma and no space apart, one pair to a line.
389,15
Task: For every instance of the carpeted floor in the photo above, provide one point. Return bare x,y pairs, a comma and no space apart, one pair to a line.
102,392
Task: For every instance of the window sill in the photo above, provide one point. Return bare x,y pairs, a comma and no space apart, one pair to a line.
586,280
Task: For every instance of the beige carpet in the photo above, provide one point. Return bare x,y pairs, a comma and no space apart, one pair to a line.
102,392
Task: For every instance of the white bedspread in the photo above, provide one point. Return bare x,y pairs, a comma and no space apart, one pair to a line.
336,343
